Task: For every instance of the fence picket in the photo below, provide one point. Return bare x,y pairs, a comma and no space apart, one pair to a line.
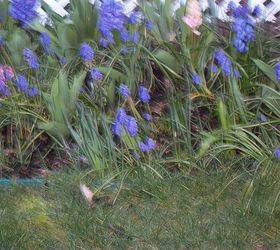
269,11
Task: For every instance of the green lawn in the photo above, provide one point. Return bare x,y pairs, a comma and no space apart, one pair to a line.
195,212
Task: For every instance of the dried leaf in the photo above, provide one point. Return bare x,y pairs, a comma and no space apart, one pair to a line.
158,107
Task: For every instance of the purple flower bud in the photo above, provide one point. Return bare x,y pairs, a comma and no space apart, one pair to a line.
214,68
149,25
22,83
117,128
197,79
262,117
143,94
148,145
121,116
143,147
86,52
257,11
277,71
133,18
4,89
46,41
31,58
236,73
147,116
96,75
124,90
131,126
33,91
277,153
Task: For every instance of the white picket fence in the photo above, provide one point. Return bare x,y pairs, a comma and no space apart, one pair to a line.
270,8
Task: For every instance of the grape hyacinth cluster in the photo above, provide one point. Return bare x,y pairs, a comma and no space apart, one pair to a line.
224,62
277,71
7,74
126,121
129,123
147,145
243,26
112,19
31,58
23,11
86,52
46,41
23,86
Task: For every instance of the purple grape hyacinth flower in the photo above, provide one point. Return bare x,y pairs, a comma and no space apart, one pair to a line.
4,89
124,90
23,11
124,50
147,117
117,128
277,71
148,145
22,83
33,91
197,79
277,153
149,25
151,144
62,60
133,18
135,37
125,37
143,147
231,5
121,116
111,17
2,41
46,41
86,52
236,73
143,94
223,61
262,117
243,28
8,73
96,75
104,42
257,11
214,68
31,58
131,126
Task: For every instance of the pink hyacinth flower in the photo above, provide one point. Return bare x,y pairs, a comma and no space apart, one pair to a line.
194,16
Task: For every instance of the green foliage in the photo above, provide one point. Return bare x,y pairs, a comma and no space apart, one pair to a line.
61,103
96,142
